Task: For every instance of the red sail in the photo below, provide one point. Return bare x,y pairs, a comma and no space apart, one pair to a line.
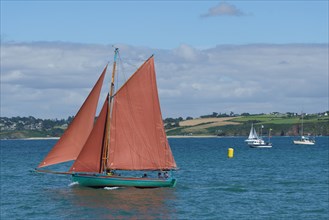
137,137
89,158
72,141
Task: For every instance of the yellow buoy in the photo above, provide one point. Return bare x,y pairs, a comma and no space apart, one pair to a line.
230,153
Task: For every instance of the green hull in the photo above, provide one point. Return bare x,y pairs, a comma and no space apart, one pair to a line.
99,181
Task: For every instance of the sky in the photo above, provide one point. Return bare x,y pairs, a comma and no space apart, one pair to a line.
210,56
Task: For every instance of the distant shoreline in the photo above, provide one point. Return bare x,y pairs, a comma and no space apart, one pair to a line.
41,138
191,136
172,136
34,138
169,137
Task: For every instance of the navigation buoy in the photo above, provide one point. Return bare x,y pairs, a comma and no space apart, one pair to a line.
230,153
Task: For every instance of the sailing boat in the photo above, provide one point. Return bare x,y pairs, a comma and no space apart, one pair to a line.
128,136
254,141
304,140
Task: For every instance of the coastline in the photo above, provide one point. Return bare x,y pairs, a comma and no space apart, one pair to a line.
192,136
169,137
41,138
33,138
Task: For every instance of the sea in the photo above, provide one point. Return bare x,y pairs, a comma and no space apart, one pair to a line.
284,182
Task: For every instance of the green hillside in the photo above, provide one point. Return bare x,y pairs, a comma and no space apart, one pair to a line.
280,125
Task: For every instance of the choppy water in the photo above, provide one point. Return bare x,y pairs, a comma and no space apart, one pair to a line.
284,182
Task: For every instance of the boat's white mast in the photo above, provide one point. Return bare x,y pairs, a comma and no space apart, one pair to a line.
302,133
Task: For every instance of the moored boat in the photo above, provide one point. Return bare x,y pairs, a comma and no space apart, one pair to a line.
304,140
254,141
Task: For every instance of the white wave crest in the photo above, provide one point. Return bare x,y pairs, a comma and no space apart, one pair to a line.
111,188
73,184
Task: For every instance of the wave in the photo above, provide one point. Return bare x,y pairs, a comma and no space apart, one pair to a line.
111,188
73,184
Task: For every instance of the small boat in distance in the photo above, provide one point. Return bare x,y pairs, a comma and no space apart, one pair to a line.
304,140
254,141
127,139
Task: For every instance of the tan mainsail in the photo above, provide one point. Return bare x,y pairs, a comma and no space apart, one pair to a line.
70,144
137,137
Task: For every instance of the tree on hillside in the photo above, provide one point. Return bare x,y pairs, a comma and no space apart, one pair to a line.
213,115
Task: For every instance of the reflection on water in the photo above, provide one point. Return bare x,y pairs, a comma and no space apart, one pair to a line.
121,203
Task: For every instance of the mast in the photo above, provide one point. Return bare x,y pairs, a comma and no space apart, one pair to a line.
302,133
108,120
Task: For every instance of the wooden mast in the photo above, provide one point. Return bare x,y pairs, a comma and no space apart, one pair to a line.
108,120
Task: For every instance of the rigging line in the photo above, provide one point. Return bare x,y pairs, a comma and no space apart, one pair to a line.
133,74
132,62
120,64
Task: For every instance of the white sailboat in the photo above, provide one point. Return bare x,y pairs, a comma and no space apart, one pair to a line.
304,140
254,141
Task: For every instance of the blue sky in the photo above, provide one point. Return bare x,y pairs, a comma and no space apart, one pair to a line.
165,24
211,56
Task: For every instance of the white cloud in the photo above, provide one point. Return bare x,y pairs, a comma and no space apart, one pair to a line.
223,9
188,53
51,80
12,76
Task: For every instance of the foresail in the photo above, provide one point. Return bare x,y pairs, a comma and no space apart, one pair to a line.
255,135
90,155
137,137
252,134
70,144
